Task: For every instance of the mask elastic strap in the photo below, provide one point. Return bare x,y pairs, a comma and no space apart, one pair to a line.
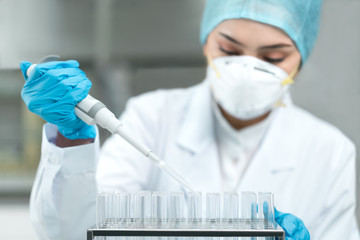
289,80
212,65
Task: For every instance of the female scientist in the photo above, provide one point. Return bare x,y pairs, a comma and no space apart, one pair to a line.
237,130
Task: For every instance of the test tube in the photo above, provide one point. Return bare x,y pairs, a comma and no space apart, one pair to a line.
109,210
194,209
213,209
266,209
142,205
231,209
122,209
100,210
248,209
158,209
176,209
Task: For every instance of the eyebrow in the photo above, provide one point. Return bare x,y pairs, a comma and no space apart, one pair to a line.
281,45
231,39
275,46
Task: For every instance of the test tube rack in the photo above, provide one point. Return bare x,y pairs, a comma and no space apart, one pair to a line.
158,214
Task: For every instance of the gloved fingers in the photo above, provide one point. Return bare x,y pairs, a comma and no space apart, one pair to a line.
278,214
60,113
24,65
63,117
57,80
69,125
287,221
69,91
290,225
302,234
41,68
294,227
81,91
62,73
58,64
61,77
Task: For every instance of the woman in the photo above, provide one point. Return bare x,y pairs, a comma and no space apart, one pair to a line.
238,130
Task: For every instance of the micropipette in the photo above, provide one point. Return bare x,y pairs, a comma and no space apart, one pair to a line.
92,112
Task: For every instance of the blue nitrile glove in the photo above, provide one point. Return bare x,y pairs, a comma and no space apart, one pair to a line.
52,91
294,228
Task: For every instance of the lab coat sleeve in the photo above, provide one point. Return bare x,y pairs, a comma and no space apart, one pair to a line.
339,211
62,202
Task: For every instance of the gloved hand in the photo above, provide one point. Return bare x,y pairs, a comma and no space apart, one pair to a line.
294,228
52,91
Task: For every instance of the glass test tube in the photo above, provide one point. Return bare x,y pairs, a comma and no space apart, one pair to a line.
194,209
176,209
231,209
122,209
266,209
142,206
213,209
248,209
100,210
158,209
109,213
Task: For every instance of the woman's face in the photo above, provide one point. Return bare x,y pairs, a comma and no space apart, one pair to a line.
237,37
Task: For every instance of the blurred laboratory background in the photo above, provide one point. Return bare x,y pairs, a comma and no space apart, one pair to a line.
128,47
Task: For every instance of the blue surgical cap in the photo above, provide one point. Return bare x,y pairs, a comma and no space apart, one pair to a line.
298,18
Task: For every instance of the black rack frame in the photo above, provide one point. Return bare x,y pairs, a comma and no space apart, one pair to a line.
146,232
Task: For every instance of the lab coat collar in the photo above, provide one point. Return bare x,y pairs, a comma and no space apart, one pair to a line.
194,135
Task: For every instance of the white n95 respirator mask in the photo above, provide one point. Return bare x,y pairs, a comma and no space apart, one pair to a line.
247,87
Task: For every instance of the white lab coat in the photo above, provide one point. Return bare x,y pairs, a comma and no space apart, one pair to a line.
308,164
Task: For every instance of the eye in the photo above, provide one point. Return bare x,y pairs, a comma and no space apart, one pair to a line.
273,60
227,52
